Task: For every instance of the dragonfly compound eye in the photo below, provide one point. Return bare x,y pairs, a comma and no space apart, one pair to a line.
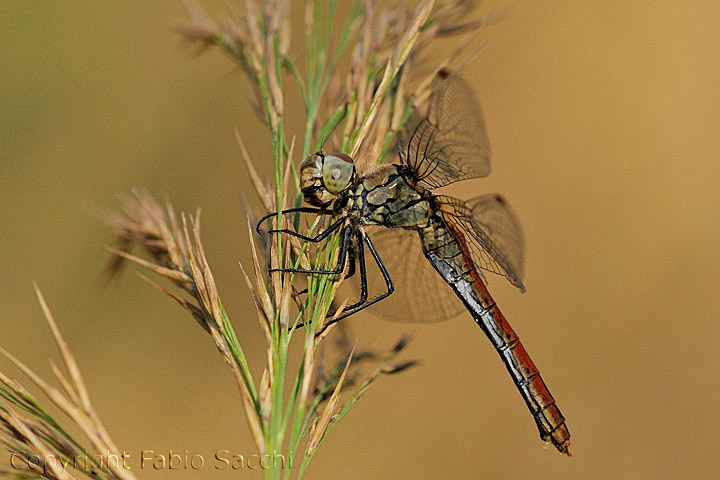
337,172
322,177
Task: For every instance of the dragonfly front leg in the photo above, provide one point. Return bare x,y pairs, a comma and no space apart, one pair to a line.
351,271
343,248
289,210
314,239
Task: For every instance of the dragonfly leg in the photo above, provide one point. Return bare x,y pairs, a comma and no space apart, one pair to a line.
353,260
314,239
361,259
351,271
363,274
342,256
289,210
363,285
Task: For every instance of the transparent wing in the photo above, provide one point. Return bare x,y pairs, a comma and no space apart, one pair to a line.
420,294
491,232
450,143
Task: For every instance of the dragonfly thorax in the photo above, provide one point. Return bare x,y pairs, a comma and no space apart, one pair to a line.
389,197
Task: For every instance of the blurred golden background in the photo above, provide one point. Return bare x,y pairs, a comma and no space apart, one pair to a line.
605,132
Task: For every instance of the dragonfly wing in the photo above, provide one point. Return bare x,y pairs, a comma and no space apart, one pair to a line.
450,143
421,295
491,231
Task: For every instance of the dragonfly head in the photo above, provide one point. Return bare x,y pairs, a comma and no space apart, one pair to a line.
324,176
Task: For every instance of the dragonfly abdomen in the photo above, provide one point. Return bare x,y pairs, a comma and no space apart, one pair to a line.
448,253
540,402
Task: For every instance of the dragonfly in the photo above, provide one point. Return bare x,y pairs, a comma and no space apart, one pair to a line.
459,239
